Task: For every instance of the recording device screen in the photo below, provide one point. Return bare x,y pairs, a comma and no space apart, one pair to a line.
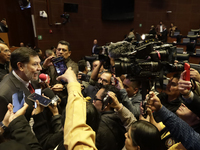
59,65
42,100
18,101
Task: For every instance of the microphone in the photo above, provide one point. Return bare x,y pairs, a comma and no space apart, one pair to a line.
44,78
121,48
49,93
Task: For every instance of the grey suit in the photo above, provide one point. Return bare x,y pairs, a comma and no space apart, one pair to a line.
8,86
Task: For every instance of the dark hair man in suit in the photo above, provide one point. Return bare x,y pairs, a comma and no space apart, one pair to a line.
4,59
64,50
26,67
3,25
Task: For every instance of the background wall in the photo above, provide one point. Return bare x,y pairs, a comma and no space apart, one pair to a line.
19,22
86,25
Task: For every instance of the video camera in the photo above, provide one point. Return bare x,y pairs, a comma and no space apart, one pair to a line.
148,60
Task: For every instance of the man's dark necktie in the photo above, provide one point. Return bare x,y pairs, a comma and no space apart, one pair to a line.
31,89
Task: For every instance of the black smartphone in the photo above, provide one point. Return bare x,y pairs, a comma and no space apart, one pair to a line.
18,101
60,65
107,99
42,100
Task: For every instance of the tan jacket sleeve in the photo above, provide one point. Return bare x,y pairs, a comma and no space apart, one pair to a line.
77,134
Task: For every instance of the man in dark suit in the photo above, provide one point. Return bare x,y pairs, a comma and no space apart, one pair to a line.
95,50
3,26
26,67
4,59
63,49
164,34
159,30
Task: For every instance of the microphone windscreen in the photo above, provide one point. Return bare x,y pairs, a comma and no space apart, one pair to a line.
48,92
43,77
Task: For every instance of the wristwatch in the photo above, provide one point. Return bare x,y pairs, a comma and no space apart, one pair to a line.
2,126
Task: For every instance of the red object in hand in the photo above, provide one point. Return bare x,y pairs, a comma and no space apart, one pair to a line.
44,77
50,31
187,74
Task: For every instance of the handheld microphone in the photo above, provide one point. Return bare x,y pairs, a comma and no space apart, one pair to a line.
44,78
118,49
49,93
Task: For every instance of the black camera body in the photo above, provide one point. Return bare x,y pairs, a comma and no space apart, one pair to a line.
149,60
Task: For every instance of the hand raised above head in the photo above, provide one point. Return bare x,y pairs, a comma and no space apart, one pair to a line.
154,102
183,85
68,76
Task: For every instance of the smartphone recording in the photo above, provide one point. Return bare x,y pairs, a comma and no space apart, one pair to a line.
60,65
18,101
42,100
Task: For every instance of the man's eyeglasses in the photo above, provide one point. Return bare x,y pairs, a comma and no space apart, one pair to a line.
64,50
95,99
103,80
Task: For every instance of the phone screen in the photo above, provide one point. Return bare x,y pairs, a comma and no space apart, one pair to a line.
59,65
107,99
38,91
42,100
18,101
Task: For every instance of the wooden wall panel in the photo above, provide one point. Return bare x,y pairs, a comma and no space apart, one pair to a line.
86,24
19,22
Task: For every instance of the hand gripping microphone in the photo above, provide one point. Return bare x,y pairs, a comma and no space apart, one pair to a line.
49,93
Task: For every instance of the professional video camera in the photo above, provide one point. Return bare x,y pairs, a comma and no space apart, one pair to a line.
146,60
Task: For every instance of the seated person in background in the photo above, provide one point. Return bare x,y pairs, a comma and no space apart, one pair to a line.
191,47
153,31
75,122
15,126
172,29
3,25
82,75
111,131
21,44
4,59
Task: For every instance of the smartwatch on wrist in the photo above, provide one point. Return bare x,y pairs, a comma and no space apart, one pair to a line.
2,126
